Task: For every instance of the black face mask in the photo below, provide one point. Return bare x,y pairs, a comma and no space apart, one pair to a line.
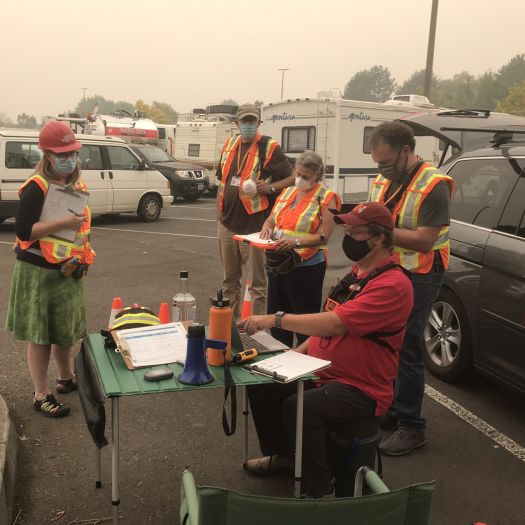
390,171
355,250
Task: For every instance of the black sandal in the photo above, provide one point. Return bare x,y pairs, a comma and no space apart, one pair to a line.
64,386
50,407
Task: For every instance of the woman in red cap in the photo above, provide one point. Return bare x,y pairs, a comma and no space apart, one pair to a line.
46,306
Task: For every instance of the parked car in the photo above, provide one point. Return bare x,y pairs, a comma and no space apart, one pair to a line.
118,180
478,320
186,180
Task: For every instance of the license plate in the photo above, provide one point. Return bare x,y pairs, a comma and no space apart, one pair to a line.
200,187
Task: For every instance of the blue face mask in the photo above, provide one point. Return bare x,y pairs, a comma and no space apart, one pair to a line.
65,166
248,130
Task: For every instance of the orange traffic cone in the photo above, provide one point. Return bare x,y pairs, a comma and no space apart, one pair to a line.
247,302
164,313
116,306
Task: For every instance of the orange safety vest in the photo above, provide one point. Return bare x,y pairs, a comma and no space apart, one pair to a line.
305,218
58,250
250,170
406,214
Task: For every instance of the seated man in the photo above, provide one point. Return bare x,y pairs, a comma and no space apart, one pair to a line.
361,332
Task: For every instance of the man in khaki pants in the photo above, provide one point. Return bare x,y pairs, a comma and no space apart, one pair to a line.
252,171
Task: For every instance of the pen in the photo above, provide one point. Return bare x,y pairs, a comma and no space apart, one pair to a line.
75,213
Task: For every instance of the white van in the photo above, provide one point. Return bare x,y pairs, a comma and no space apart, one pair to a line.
118,180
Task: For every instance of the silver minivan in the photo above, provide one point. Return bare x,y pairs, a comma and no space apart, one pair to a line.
118,180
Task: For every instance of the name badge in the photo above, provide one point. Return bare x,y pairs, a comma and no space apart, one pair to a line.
235,181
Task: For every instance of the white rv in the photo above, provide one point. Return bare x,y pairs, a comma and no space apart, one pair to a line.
200,138
339,130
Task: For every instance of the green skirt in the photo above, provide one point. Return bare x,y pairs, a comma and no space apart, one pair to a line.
44,307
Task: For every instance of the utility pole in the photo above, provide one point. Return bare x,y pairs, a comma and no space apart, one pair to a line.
430,49
84,90
282,69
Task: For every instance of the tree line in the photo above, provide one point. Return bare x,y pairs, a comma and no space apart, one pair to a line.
502,91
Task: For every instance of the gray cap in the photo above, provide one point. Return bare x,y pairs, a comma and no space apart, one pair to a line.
248,110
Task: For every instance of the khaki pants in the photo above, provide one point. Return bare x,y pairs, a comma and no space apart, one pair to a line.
234,255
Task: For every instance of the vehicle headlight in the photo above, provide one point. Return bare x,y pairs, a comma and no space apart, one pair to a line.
183,174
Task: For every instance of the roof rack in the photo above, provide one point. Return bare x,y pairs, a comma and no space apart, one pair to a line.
481,113
501,135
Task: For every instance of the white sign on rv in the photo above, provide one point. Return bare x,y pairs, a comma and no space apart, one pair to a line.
339,130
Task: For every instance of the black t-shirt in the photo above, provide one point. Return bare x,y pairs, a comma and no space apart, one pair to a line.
234,216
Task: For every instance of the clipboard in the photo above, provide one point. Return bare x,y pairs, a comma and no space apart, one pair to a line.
287,366
255,240
152,345
61,201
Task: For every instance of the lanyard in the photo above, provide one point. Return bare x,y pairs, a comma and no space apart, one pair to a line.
240,163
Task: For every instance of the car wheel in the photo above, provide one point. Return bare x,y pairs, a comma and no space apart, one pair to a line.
192,197
448,343
213,191
149,208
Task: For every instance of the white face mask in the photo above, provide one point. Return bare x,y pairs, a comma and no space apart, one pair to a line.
302,184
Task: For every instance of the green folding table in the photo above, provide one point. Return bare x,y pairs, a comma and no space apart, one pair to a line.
114,380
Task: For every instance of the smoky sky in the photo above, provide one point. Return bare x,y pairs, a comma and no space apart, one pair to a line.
193,53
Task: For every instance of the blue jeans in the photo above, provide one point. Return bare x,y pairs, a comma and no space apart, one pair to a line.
410,383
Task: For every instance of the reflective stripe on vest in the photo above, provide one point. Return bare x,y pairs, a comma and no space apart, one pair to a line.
251,170
308,220
406,214
58,250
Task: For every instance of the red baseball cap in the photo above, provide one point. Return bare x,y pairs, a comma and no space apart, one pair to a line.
365,213
57,137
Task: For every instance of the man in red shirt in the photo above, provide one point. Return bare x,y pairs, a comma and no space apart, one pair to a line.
361,332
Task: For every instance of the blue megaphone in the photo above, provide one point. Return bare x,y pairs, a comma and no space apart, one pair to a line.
196,370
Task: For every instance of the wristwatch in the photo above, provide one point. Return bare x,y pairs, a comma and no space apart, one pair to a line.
297,243
278,319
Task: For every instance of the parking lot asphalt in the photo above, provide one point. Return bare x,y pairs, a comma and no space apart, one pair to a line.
476,430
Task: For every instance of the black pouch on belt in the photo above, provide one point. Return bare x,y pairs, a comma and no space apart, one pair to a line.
281,263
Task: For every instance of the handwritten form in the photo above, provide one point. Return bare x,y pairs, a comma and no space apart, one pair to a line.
60,203
154,345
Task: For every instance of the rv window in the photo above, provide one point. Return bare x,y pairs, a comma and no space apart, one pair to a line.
367,133
402,98
194,150
162,133
21,155
90,157
297,139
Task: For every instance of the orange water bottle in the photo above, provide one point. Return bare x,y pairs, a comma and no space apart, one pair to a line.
220,328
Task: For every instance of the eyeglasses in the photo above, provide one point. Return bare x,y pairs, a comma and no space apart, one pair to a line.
65,156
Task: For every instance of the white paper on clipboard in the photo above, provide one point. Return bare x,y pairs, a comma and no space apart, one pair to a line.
61,202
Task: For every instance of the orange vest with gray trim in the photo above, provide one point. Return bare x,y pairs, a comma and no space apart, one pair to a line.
406,214
251,170
305,218
58,250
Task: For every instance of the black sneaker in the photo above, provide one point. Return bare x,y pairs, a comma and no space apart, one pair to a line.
403,441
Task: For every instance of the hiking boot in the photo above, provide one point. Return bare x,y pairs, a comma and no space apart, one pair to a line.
270,465
388,422
403,441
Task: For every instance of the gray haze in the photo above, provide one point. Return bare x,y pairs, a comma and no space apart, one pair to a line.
192,53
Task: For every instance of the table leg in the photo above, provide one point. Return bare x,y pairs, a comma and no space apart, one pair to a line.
299,438
115,497
245,413
98,466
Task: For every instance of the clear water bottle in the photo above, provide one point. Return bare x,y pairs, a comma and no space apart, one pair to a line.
184,308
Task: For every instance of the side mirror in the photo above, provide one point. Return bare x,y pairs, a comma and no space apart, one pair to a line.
142,165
